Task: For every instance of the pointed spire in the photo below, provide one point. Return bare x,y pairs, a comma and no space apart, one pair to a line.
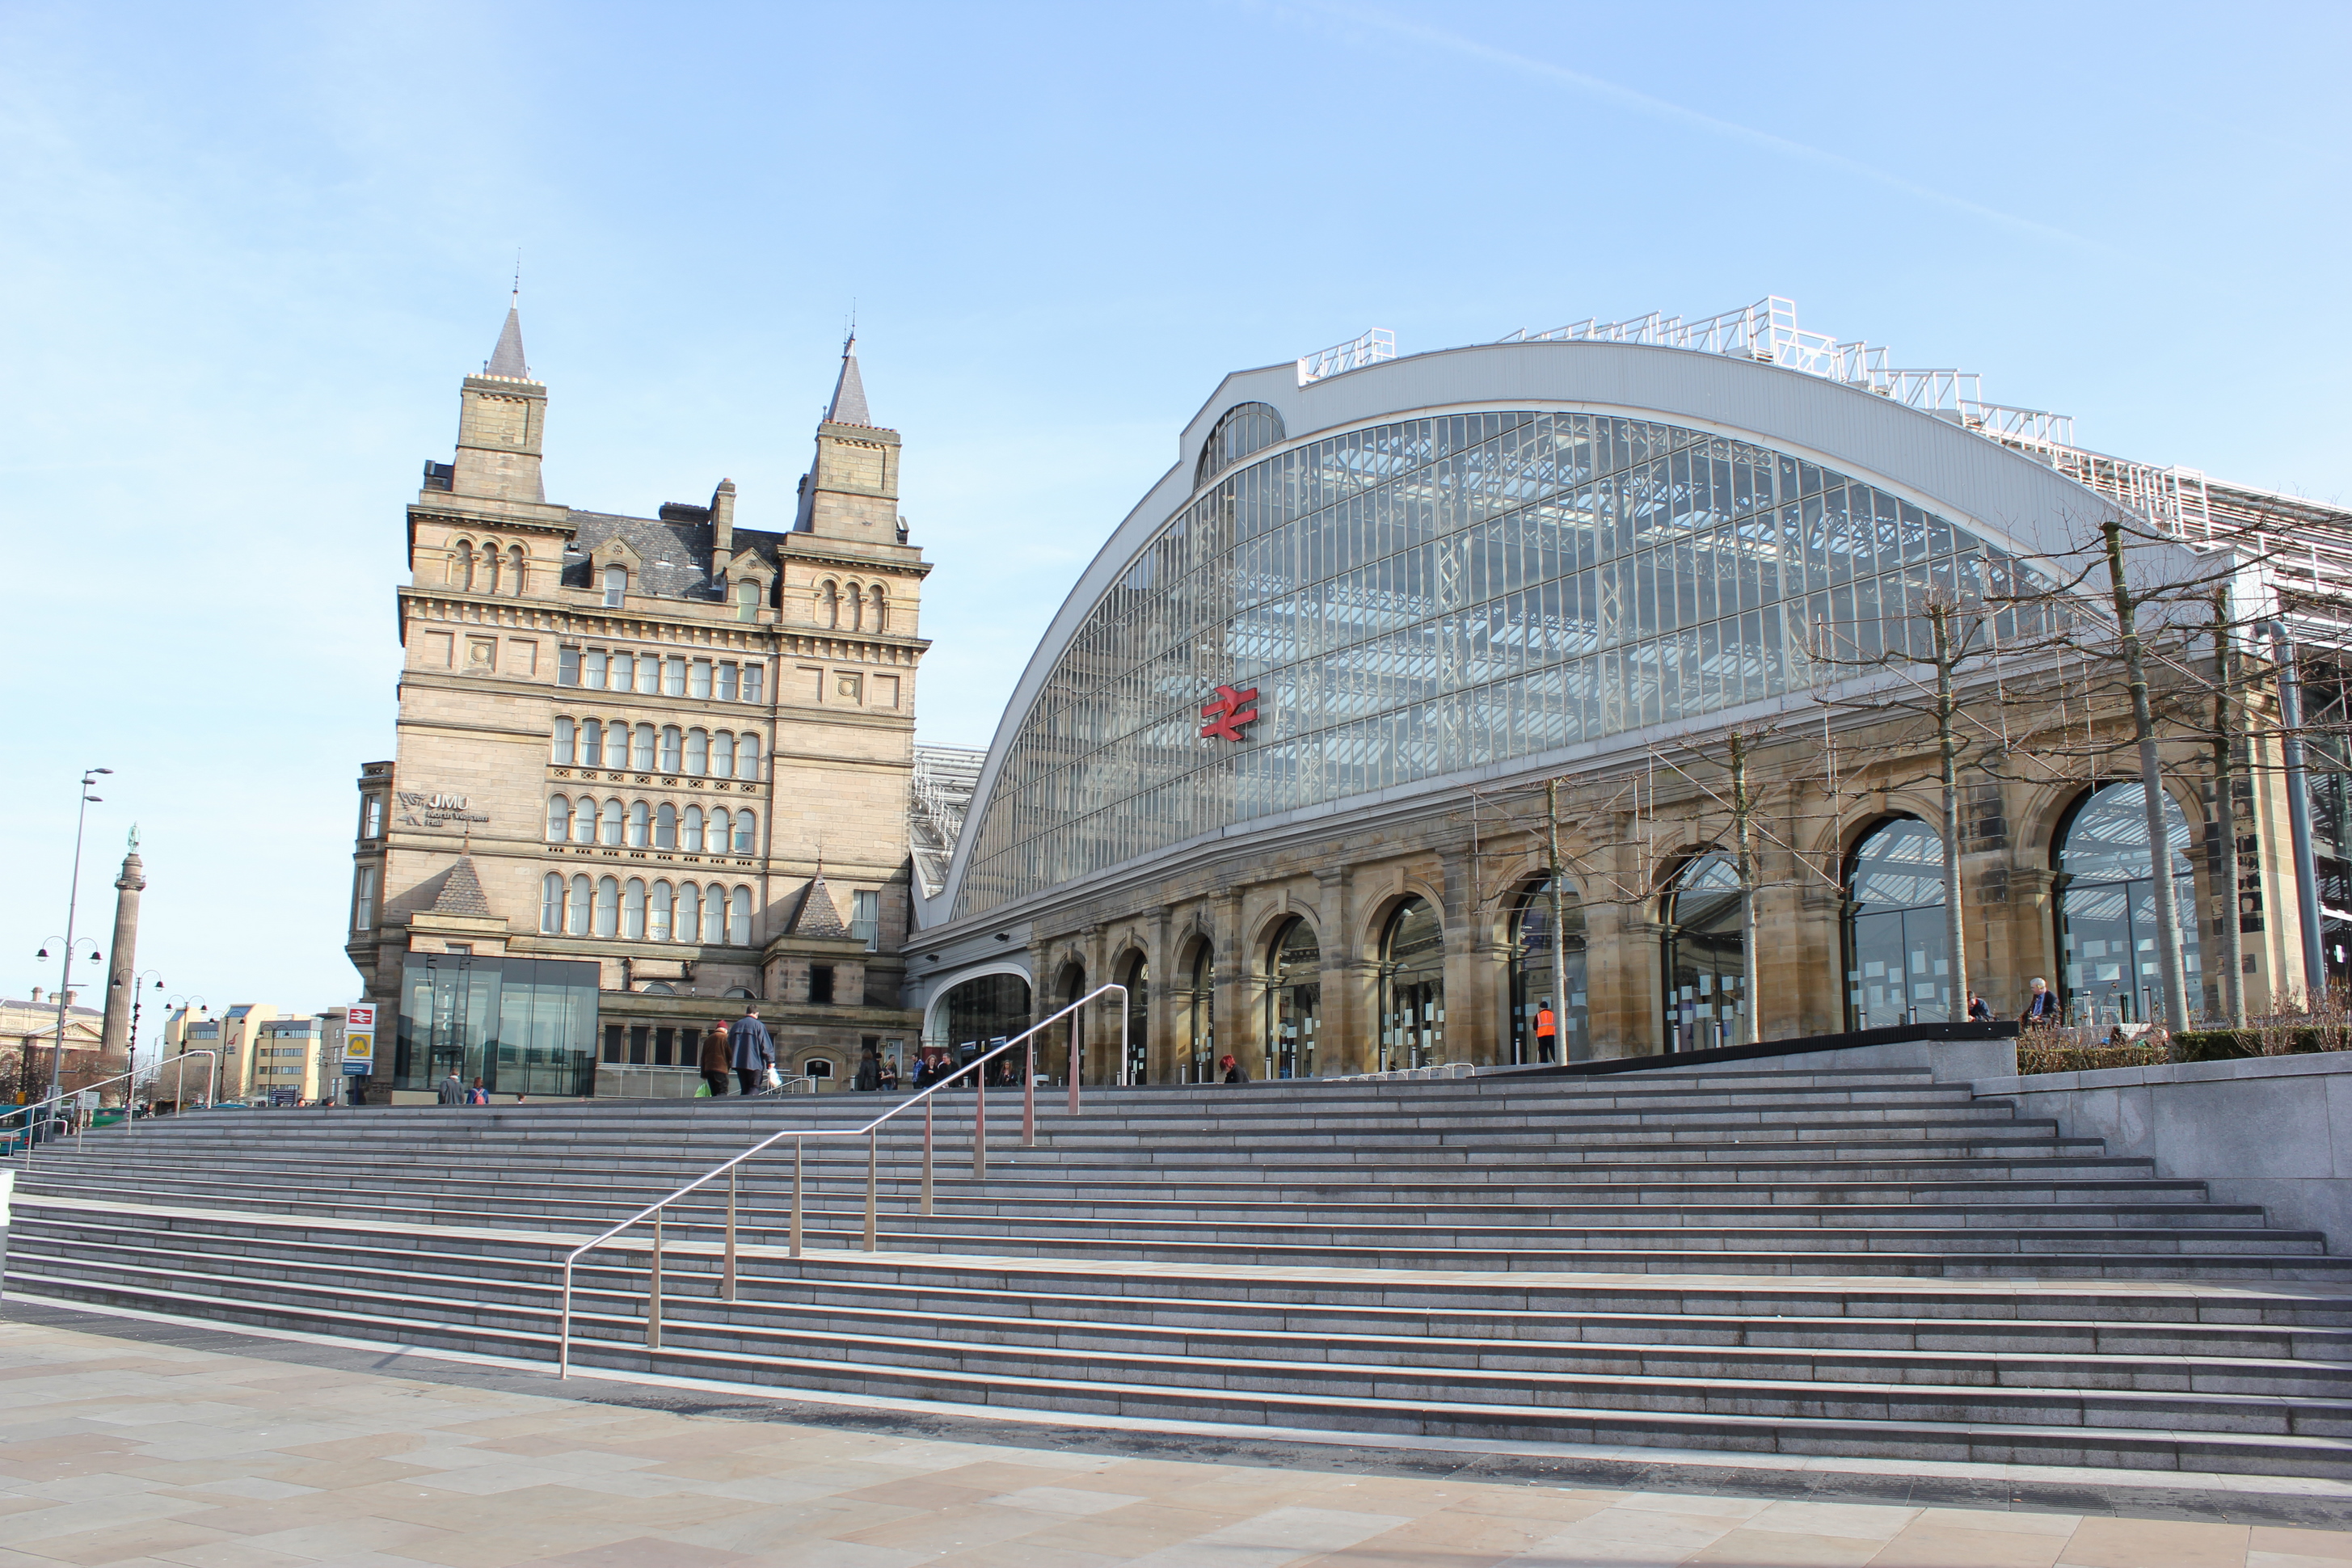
461,892
848,407
818,917
505,360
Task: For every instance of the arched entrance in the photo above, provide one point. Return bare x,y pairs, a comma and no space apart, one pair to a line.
1898,966
1294,1000
1069,1041
1703,957
977,1012
1531,973
2109,971
1201,1017
1137,978
1413,988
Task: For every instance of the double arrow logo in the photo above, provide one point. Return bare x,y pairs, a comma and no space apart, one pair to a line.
1227,714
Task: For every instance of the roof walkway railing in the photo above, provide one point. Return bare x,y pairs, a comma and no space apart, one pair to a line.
871,1132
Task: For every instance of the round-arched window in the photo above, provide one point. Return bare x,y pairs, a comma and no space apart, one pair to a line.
2109,970
1532,976
1703,957
1201,1017
1294,999
1413,988
1898,965
1138,981
1244,429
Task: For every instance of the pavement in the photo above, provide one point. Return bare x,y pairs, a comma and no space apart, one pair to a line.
130,1441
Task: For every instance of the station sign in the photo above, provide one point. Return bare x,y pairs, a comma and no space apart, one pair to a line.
359,1040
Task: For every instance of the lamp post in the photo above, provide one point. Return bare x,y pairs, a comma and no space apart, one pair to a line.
131,1092
188,1007
58,1052
73,905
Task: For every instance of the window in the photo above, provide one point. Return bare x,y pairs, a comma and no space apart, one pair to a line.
591,742
698,750
714,913
753,681
865,918
564,750
648,675
880,611
747,756
658,912
698,678
608,824
620,672
1412,988
1294,1000
363,899
828,604
575,908
640,826
715,841
671,748
372,816
514,570
1704,957
820,983
617,584
608,905
490,566
559,818
692,840
816,1067
592,669
747,832
567,667
1897,965
673,677
689,911
583,821
665,826
461,566
722,755
747,601
739,917
641,750
1532,976
633,909
551,905
1245,428
855,597
2110,969
727,674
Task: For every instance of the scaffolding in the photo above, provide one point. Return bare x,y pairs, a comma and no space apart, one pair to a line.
942,791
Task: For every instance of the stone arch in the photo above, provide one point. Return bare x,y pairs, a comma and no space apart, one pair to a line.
1372,927
461,564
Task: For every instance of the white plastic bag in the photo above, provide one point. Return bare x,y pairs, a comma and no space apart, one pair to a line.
775,1084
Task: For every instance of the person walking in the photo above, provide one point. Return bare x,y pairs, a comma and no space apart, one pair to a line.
1979,1012
478,1095
453,1089
714,1061
1546,1033
2041,1006
1234,1073
751,1050
869,1071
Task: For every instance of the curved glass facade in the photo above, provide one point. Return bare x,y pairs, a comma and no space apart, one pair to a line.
1439,594
1245,428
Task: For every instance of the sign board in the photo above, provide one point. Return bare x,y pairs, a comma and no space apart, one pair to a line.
359,1039
285,1097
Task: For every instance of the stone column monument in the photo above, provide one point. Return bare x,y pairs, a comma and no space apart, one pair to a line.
122,973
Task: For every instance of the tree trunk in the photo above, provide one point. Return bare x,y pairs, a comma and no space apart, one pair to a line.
1947,759
2151,777
2225,813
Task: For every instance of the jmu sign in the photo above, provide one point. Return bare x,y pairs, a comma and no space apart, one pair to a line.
1227,712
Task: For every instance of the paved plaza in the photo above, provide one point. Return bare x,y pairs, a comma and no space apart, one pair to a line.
131,1447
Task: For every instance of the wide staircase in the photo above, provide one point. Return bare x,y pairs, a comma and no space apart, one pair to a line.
1804,1263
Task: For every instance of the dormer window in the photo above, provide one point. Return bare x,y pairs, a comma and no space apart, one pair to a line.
747,601
616,587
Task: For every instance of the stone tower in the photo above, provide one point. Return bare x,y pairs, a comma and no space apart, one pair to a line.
851,491
122,977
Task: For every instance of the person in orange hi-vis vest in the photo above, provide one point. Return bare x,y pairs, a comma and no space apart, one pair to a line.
1546,1035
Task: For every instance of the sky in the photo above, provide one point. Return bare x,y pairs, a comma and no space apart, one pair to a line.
247,253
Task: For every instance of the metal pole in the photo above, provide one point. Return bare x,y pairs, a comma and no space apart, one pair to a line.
1029,1095
1556,879
2298,819
730,1281
653,1291
797,1144
73,904
563,1327
873,1170
1074,1019
927,1157
1124,1008
979,1124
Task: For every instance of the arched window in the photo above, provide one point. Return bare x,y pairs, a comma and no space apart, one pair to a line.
1532,980
583,821
559,818
658,913
689,911
1897,963
1138,981
640,825
747,601
1242,429
715,841
698,752
1413,988
608,824
1201,1017
1294,1000
722,755
739,917
491,561
575,907
2110,969
591,742
551,905
616,585
747,756
1703,958
461,564
642,749
633,909
747,832
672,744
692,843
514,570
855,595
880,611
665,826
562,751
714,913
608,905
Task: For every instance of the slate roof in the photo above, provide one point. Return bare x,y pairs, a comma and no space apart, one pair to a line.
848,406
675,551
817,919
461,892
506,360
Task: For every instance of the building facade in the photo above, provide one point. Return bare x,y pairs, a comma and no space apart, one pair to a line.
648,769
1279,766
28,1043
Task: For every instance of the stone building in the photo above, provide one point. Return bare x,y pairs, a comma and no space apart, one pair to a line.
648,769
1279,765
29,1040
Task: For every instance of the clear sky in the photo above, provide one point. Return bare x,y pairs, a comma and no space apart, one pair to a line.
247,251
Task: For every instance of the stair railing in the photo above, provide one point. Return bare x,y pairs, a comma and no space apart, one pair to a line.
871,1132
45,1110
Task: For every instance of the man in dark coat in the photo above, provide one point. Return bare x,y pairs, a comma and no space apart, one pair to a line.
453,1089
751,1049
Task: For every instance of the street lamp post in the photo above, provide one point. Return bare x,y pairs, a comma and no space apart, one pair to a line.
188,1007
130,1094
73,904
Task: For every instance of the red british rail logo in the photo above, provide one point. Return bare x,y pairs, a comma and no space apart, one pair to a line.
1227,712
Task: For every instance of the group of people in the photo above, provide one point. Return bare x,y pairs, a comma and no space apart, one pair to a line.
744,1048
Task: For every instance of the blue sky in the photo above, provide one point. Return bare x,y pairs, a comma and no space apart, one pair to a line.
249,251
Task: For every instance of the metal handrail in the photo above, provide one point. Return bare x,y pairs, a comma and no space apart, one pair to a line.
129,1099
871,1132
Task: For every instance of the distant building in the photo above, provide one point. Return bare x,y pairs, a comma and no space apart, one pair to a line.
28,1036
287,1059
